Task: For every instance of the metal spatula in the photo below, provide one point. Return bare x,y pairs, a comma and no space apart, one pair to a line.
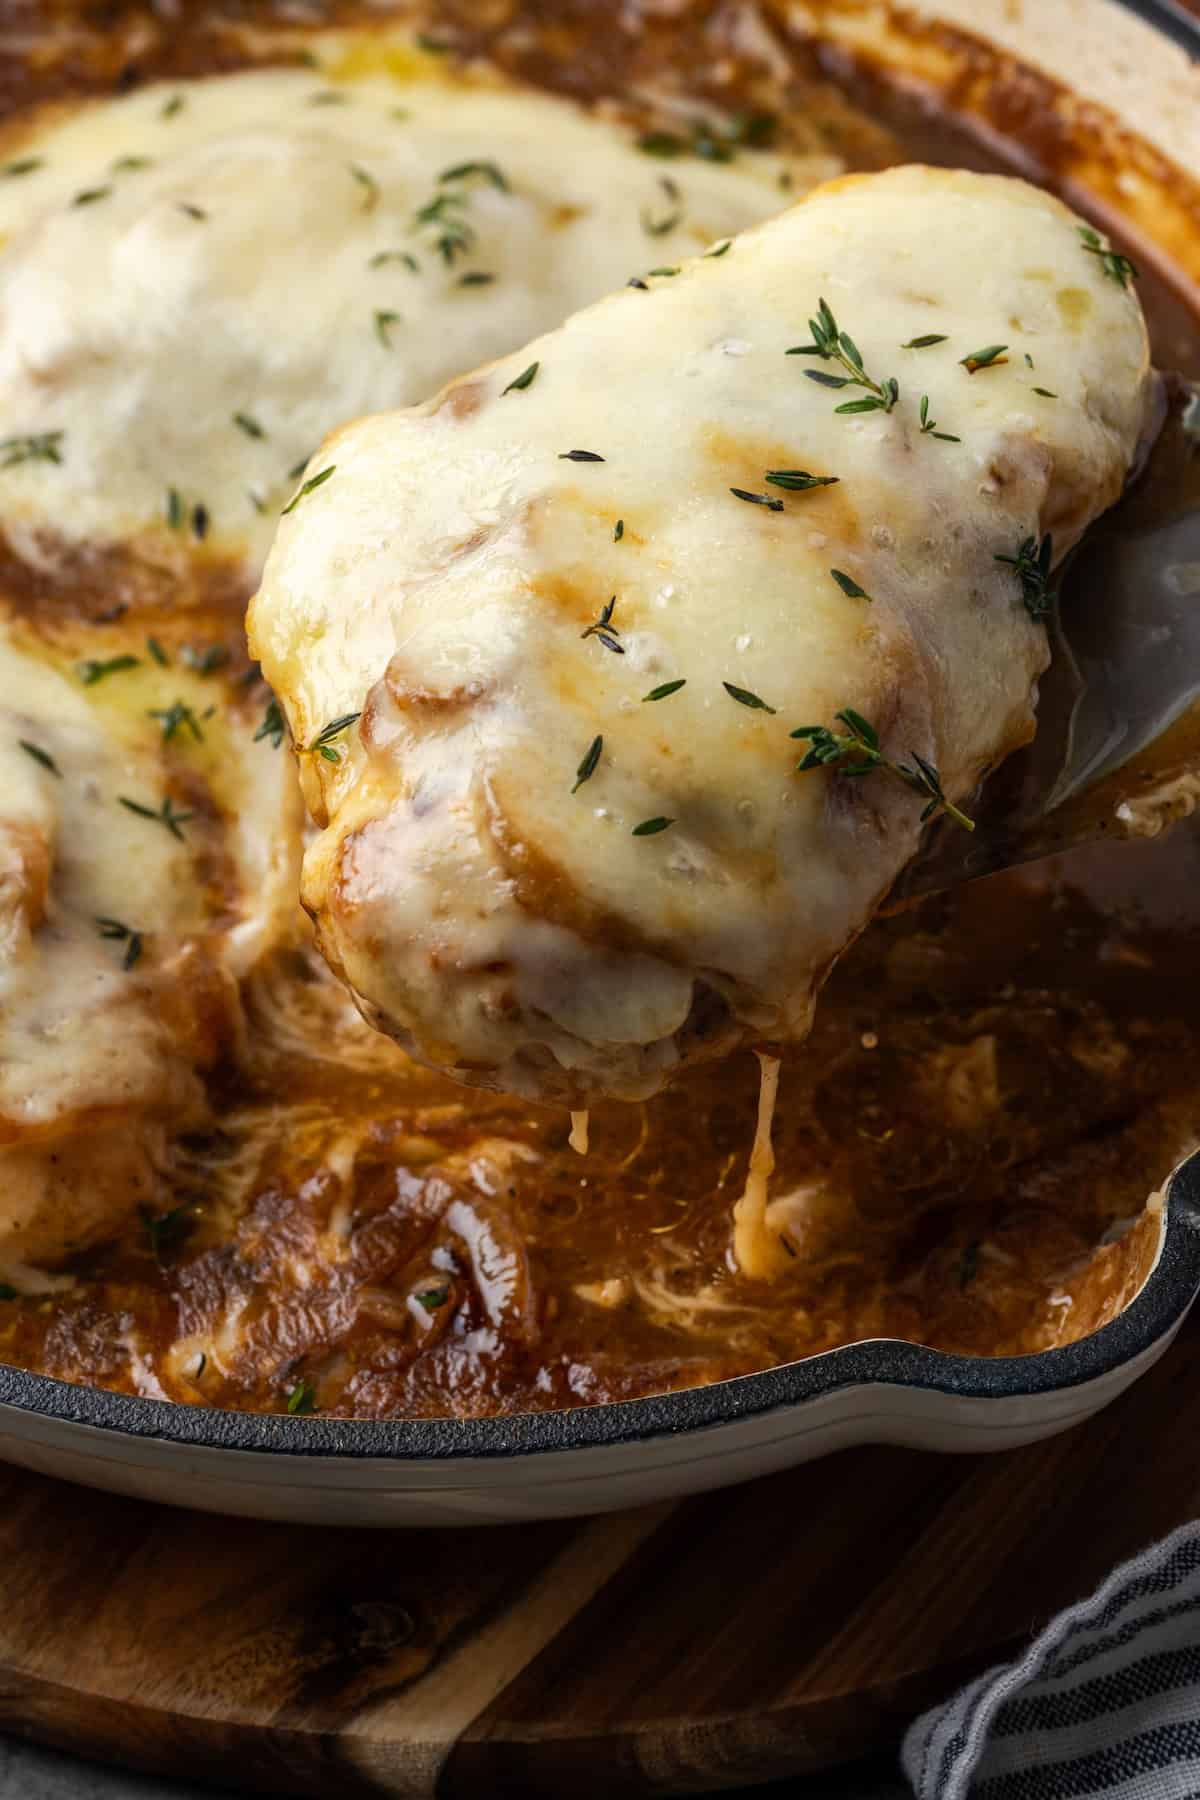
1119,712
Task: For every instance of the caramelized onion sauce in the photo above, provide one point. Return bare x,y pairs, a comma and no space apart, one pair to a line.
996,1080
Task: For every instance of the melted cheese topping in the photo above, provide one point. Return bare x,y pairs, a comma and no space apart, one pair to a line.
103,1031
756,1250
491,902
198,280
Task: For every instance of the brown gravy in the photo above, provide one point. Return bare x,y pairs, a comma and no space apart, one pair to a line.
995,1083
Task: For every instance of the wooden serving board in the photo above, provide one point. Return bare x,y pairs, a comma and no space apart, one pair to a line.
764,1631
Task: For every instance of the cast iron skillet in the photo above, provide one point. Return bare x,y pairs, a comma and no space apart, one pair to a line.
117,1431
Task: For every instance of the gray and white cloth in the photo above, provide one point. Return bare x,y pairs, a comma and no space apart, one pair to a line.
1105,1703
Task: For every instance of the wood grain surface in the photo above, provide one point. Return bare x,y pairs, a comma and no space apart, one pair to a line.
775,1628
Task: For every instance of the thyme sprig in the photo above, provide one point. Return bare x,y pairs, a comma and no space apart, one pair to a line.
37,446
1118,268
94,669
587,767
1031,565
832,344
323,746
121,933
799,480
273,724
856,751
604,629
302,1398
384,320
744,697
314,481
525,379
651,827
990,357
767,500
165,814
671,218
43,757
175,718
666,689
929,426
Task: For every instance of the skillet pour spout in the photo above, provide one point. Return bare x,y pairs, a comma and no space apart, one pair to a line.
1117,750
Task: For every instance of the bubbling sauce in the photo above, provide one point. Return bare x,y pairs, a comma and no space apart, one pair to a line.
996,1080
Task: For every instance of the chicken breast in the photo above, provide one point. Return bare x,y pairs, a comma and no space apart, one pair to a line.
553,645
272,252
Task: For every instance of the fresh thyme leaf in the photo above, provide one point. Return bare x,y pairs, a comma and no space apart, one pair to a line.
618,531
297,469
127,164
670,219
651,827
124,934
1118,268
322,744
176,716
314,481
1028,360
200,520
465,170
172,106
1045,393
987,358
165,1231
174,509
432,1298
719,249
328,97
856,752
635,281
368,184
744,697
819,375
166,814
604,629
668,687
249,425
766,500
849,586
579,456
929,426
191,209
926,342
661,143
204,661
523,380
384,320
38,446
24,165
302,1398
587,767
273,725
476,278
389,256
665,273
40,756
1031,565
868,403
157,652
89,196
96,668
799,480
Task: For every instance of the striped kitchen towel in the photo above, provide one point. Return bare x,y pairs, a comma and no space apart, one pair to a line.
1105,1702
